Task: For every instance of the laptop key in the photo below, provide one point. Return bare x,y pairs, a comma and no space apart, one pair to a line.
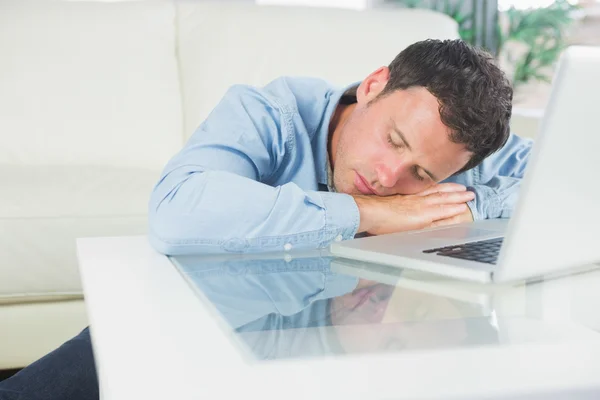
485,251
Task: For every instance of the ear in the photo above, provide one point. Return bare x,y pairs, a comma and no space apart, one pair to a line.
372,85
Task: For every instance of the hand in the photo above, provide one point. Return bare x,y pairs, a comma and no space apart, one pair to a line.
466,216
380,215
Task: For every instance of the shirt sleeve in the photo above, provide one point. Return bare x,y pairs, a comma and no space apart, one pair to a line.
496,181
246,289
214,195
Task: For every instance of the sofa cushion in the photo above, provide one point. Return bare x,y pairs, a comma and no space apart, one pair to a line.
32,330
88,82
253,44
44,209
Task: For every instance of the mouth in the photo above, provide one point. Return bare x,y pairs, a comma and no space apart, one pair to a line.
362,185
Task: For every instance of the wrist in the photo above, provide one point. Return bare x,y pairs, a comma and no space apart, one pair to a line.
363,203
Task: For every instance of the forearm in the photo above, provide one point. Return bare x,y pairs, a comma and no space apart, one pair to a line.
400,213
216,211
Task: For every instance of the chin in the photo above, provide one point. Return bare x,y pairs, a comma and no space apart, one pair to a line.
346,188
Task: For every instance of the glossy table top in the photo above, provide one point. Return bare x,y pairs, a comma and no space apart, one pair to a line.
316,326
312,304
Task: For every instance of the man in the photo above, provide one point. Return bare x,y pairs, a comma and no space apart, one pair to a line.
256,175
299,164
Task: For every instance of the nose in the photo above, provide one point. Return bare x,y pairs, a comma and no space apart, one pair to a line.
389,172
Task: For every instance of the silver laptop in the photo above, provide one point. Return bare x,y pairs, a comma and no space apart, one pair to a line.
555,227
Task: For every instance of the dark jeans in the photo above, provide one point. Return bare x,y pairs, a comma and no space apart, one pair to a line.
66,373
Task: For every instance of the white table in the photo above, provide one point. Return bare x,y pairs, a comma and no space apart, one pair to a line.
155,337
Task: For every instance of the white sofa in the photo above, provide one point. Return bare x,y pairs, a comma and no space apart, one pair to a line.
96,96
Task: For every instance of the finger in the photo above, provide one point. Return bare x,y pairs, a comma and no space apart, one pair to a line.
443,187
457,219
447,211
450,197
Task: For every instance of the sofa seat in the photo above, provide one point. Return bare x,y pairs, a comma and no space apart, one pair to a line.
43,208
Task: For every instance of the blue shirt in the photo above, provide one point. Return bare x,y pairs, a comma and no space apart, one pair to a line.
249,178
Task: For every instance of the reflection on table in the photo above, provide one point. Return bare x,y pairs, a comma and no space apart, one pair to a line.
311,304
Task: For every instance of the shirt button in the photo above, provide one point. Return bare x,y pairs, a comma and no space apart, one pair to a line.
338,238
287,258
287,247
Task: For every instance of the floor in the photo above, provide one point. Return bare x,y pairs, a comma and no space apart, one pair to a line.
7,373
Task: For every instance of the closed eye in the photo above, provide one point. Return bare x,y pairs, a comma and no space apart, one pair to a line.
415,169
394,144
415,172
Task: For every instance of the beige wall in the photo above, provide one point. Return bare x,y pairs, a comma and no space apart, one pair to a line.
526,122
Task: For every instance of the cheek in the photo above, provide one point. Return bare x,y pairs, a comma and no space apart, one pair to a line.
347,148
360,152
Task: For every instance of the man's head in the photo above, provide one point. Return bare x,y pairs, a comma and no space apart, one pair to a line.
439,108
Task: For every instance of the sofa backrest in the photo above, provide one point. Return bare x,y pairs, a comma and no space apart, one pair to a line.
88,83
221,43
124,83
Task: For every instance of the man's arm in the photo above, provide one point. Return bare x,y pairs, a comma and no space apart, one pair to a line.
496,181
210,197
399,213
214,195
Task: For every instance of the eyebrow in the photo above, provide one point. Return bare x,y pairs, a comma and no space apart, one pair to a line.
403,138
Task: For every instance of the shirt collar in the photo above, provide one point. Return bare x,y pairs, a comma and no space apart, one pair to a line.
324,170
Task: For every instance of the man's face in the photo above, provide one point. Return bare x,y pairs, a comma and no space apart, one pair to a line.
394,145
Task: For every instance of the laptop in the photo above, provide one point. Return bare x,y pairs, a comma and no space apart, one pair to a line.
555,226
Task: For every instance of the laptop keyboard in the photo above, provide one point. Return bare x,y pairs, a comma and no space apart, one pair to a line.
485,251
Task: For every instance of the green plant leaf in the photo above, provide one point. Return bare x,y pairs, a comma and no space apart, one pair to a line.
542,30
409,3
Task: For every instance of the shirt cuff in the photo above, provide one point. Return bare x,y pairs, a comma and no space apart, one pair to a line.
342,217
485,205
